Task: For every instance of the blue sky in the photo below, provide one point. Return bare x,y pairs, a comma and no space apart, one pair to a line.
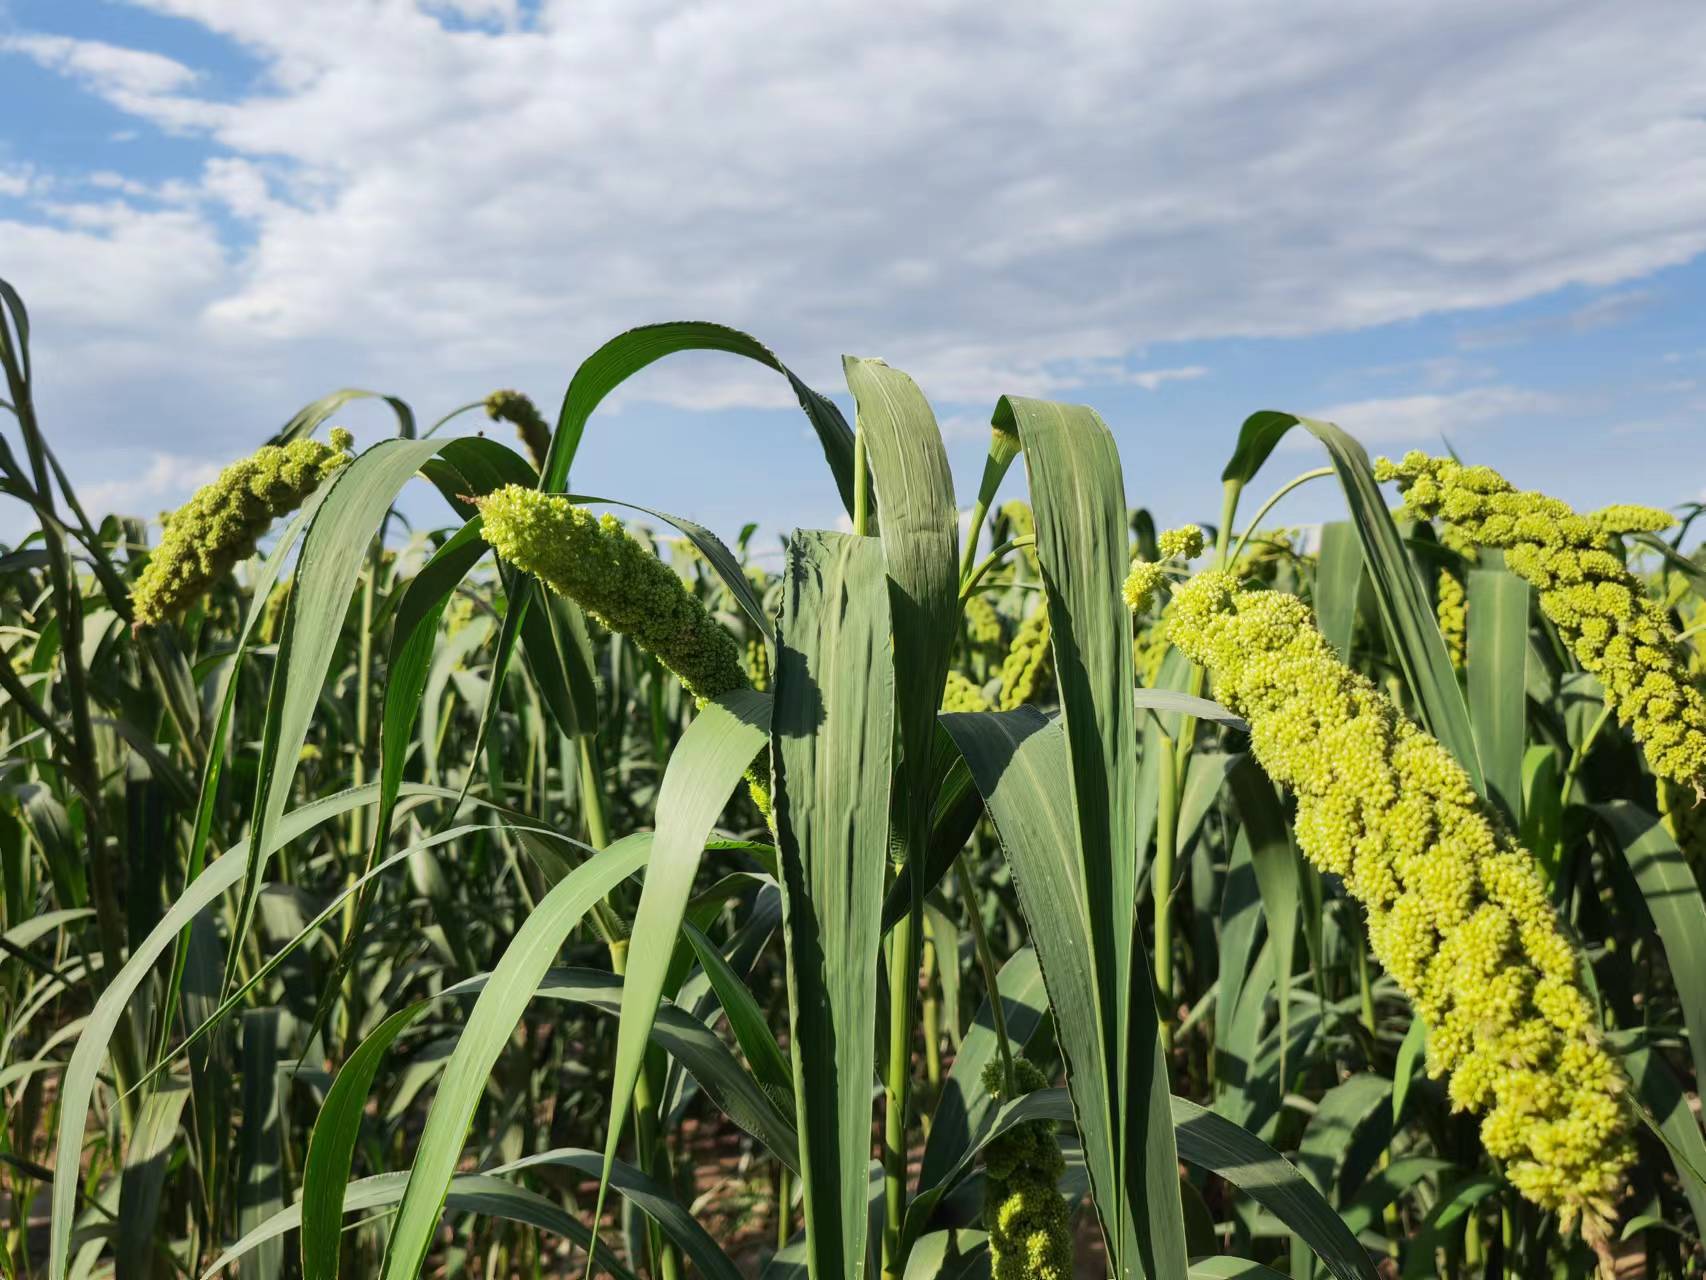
1465,222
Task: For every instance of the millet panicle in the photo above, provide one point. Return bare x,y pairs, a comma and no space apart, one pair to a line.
1617,631
1026,670
595,562
1458,912
221,523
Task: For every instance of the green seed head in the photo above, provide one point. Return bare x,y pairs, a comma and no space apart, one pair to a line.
962,695
1616,630
1458,912
1185,543
1026,669
1451,606
1141,585
223,520
596,563
983,624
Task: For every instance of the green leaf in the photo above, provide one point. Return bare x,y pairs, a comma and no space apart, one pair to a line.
77,1086
832,736
1078,497
626,354
703,770
1224,1268
337,541
965,1104
1213,1142
1498,675
494,1017
1274,861
1410,1055
146,1158
1666,1110
1018,760
920,535
490,1195
309,418
1385,1186
746,1018
1673,899
1328,1136
260,1169
1338,583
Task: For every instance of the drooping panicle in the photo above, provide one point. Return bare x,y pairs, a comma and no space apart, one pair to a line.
221,523
1616,630
595,562
517,409
1458,911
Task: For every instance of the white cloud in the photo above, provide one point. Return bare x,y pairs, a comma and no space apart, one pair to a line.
133,80
1604,312
1428,419
998,198
163,481
17,180
1152,379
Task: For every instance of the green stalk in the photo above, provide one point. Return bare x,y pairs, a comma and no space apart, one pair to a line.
991,975
1271,503
1161,888
969,584
897,1080
932,1018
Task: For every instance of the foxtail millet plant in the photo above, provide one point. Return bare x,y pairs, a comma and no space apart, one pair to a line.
1616,630
221,523
1458,911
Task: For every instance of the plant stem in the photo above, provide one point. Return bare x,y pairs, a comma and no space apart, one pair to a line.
1161,887
1271,503
991,975
990,561
1579,756
932,1020
592,793
897,1081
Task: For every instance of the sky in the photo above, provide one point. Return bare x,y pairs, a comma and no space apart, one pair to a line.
1457,223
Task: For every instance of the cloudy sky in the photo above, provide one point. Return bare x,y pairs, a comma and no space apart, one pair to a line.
1471,222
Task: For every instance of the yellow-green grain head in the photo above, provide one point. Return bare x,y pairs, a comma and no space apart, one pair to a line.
221,523
1458,912
961,694
595,562
1616,630
1026,670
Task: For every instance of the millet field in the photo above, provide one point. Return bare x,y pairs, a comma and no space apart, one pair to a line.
999,887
